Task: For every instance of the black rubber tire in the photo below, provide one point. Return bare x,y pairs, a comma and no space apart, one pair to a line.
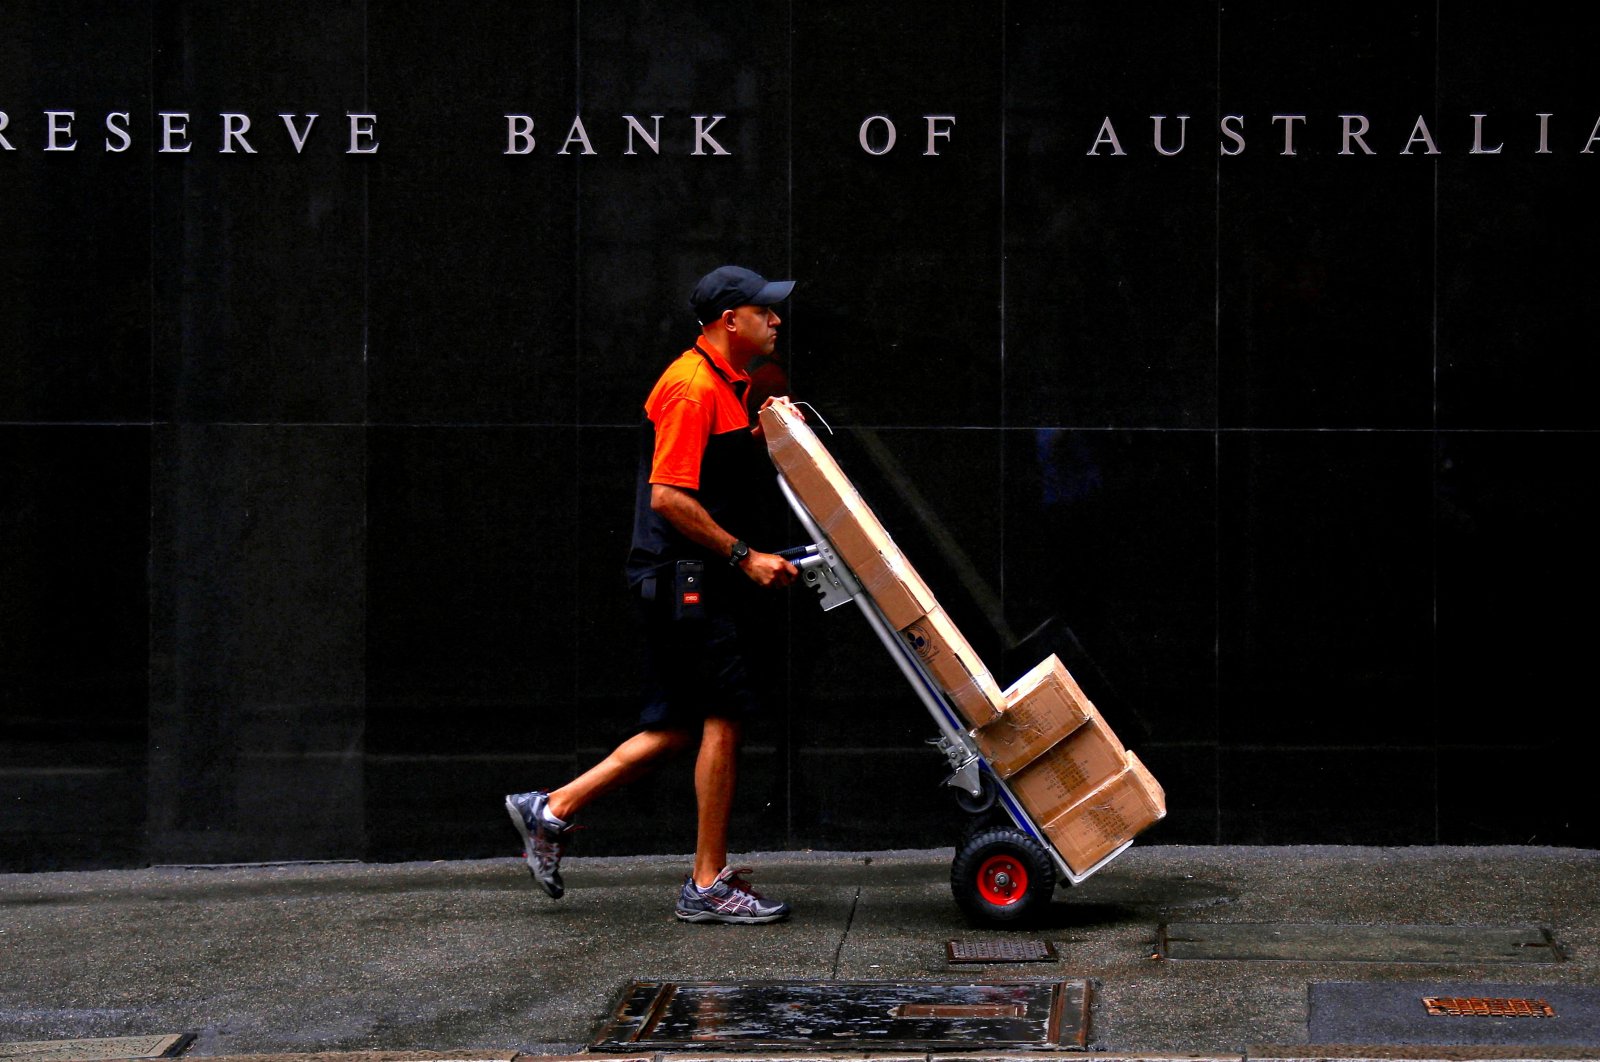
983,877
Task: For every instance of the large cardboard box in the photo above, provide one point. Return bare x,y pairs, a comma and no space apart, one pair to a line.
1041,708
1069,770
1091,829
852,527
884,572
955,666
812,473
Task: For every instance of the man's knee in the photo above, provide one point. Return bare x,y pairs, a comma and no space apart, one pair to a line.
669,739
720,732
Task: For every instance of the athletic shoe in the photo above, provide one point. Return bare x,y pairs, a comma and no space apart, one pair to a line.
730,899
541,837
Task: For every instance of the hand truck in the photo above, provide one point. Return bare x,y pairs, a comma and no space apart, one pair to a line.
1005,868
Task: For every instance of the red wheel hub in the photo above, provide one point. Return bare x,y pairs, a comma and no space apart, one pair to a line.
1002,880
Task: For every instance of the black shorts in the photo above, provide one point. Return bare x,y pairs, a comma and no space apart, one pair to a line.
696,668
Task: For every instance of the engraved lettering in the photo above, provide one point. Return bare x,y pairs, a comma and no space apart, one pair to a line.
297,137
702,135
54,131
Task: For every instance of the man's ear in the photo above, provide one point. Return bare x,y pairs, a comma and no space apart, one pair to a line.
728,321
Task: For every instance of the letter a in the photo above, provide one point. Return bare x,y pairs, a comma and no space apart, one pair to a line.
578,135
1107,135
1594,134
1420,134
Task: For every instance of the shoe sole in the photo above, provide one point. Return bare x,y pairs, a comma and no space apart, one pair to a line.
731,920
553,889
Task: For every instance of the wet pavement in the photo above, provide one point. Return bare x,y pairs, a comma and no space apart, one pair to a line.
467,960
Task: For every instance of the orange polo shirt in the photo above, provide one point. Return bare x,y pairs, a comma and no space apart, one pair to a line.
689,404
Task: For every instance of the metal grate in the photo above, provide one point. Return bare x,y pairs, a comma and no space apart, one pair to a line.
855,1016
997,951
1487,1007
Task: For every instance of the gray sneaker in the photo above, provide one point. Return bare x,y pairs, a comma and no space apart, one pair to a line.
730,899
541,837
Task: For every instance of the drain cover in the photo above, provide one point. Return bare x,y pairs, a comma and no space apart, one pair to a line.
1486,1007
91,1050
1350,943
1429,1013
847,1015
997,951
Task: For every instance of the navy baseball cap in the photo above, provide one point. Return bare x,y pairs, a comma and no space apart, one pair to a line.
730,286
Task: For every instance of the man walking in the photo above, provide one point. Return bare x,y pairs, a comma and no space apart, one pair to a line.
701,466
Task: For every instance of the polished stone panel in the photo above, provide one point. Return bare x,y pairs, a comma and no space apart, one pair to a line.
651,222
74,644
1111,563
1516,227
470,662
1515,555
1325,583
1326,259
900,308
471,306
258,257
75,264
1371,792
1110,270
258,631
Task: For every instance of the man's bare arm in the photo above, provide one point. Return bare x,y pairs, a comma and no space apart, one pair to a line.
683,511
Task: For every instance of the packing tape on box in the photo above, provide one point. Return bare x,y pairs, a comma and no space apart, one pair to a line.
963,690
882,578
853,512
973,689
1028,730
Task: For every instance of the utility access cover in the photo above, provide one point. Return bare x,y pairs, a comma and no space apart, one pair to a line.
1433,1013
1355,943
160,1045
999,950
847,1015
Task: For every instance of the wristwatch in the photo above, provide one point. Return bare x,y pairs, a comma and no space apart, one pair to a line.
738,552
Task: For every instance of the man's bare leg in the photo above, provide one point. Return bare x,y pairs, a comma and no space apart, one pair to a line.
715,772
626,762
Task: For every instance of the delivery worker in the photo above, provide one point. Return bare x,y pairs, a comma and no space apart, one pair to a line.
702,463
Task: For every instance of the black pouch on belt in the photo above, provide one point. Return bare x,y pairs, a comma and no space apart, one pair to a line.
688,589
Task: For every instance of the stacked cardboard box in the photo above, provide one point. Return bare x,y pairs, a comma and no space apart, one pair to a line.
1043,736
1067,767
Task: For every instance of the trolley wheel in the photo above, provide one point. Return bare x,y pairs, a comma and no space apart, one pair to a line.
1002,877
988,793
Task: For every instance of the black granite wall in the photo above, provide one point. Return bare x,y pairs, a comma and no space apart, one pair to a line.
317,439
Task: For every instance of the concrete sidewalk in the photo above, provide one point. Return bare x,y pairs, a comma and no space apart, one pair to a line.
467,960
